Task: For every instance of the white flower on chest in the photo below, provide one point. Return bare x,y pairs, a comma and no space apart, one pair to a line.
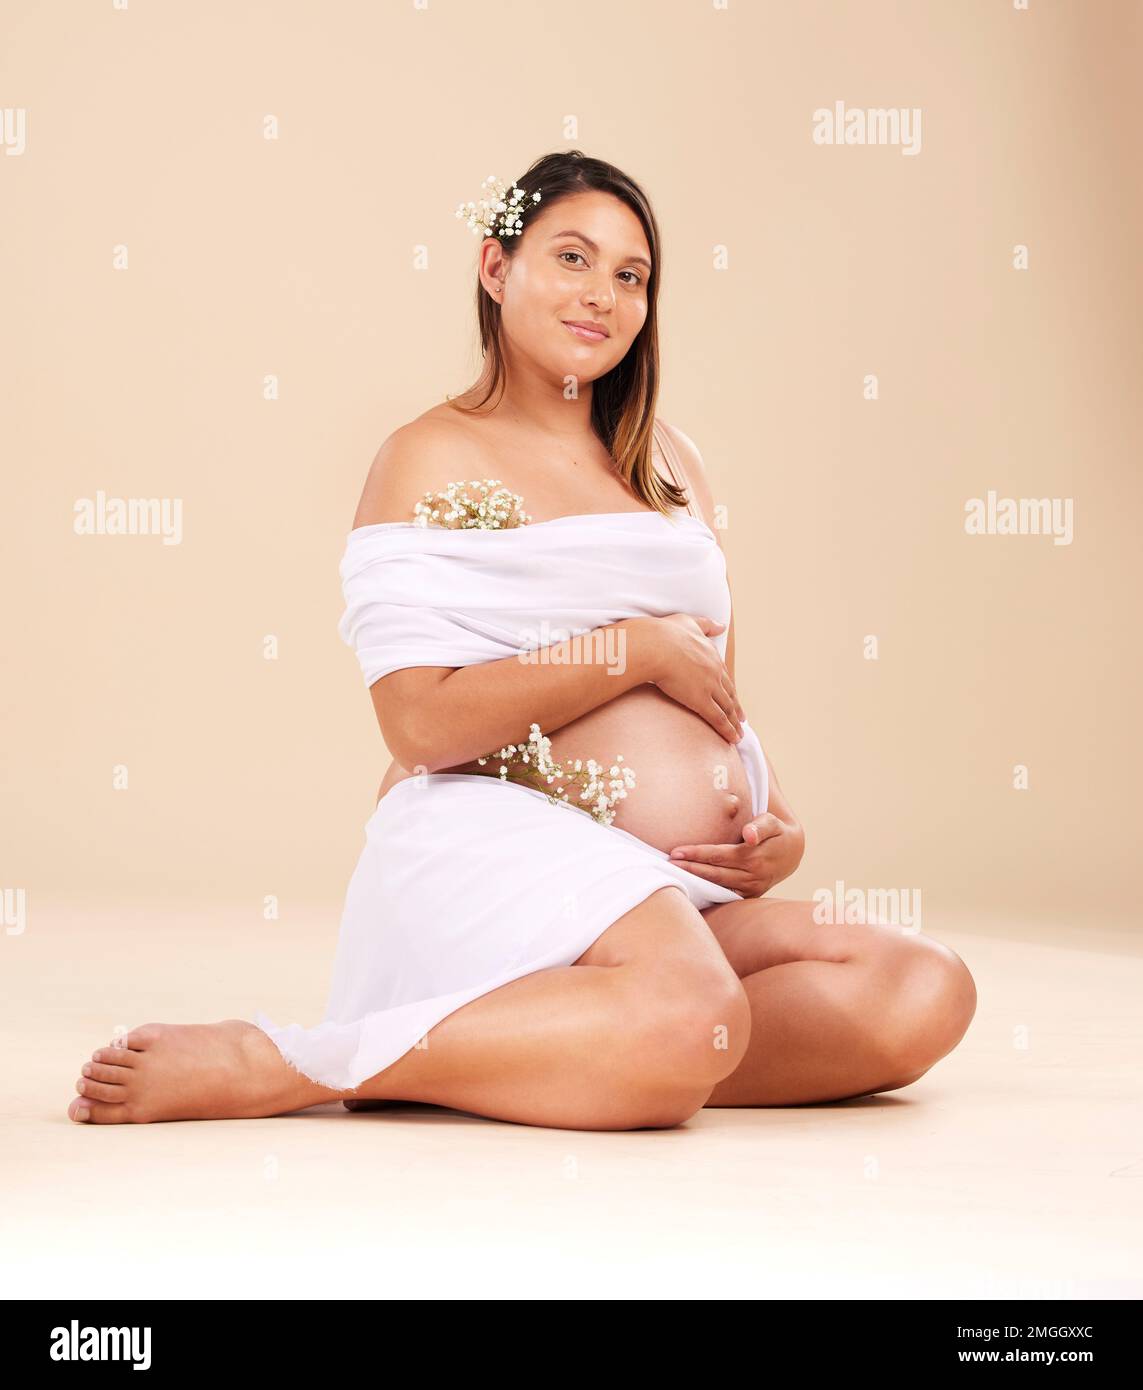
493,509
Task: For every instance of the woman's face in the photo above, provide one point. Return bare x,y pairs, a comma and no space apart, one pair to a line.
584,260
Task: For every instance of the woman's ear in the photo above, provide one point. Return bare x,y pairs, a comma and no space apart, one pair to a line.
493,267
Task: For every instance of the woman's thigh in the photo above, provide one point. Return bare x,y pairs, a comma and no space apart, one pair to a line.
756,933
912,994
665,932
675,987
749,935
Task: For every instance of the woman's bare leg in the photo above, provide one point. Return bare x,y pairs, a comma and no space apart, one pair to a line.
838,1010
635,1034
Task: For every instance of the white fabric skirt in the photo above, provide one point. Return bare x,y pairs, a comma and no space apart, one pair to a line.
465,883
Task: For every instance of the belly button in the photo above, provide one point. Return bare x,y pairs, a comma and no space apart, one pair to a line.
732,805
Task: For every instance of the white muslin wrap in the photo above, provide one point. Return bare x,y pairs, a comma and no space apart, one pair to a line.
466,882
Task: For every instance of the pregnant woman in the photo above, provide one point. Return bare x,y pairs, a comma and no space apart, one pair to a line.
561,914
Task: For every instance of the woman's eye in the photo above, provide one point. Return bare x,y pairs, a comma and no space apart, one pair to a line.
635,278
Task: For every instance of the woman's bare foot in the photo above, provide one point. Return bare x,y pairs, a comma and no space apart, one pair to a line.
191,1071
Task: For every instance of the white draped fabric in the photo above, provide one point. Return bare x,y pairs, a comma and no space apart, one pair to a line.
466,882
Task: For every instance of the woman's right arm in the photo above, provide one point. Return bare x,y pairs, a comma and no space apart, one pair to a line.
435,717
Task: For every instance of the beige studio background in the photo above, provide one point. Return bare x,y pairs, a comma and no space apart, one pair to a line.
295,258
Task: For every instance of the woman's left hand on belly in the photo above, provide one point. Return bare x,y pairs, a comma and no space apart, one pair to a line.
771,849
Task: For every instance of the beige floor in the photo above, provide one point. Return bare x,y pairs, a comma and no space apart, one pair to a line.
1014,1169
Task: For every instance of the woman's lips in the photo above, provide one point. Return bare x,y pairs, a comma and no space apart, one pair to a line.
585,333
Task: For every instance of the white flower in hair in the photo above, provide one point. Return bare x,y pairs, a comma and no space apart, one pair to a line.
500,215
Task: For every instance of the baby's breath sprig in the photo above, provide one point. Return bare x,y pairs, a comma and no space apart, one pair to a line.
500,215
533,765
498,510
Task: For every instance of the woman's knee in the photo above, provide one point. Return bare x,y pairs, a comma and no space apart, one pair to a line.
934,1001
694,1023
682,1016
673,1106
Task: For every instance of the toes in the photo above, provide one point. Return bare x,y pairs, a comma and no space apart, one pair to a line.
142,1037
137,1040
100,1071
103,1086
100,1090
84,1111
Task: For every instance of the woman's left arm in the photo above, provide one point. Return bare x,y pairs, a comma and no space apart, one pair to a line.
777,833
792,837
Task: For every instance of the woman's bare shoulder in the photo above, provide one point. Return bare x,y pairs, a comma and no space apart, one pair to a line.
694,469
421,456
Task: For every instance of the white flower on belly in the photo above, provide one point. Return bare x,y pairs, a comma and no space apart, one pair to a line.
533,763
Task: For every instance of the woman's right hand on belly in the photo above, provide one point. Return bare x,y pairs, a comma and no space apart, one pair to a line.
685,665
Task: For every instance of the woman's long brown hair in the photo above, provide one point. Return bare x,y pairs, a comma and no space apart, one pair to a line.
623,401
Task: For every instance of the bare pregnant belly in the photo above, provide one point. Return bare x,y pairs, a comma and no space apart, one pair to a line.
691,785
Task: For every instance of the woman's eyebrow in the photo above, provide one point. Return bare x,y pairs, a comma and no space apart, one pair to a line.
592,247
